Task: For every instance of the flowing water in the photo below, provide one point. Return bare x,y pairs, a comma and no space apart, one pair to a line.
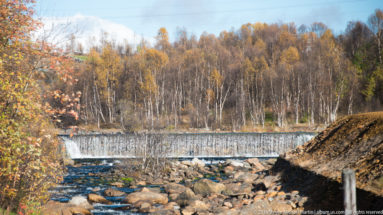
187,145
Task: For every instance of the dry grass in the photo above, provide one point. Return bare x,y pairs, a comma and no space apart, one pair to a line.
354,141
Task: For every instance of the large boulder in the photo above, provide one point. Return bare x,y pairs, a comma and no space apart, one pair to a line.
186,197
146,195
113,193
246,177
58,208
81,201
236,189
94,198
234,163
206,187
172,188
254,162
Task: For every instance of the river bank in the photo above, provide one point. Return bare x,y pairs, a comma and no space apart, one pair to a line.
185,187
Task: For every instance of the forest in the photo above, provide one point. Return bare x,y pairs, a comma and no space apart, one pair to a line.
258,75
255,76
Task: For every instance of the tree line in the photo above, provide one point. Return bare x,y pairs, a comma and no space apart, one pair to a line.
260,74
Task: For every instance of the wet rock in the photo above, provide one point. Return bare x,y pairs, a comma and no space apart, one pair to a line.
146,195
58,208
81,201
205,187
113,193
174,188
94,198
236,189
117,184
186,197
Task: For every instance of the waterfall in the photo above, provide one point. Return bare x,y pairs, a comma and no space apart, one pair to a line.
186,145
72,149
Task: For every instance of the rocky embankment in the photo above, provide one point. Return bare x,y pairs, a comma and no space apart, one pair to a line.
191,187
315,168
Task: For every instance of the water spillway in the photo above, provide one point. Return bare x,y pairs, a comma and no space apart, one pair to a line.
185,145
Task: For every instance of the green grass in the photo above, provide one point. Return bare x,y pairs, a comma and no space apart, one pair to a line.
81,57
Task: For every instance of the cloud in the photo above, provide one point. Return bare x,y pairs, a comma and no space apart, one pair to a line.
87,30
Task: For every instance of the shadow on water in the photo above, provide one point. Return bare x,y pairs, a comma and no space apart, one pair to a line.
323,193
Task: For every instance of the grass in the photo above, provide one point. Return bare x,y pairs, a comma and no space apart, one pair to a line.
81,57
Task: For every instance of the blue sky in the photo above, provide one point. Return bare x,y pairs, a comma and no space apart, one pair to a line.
145,17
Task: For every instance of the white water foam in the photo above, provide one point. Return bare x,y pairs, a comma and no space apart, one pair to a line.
72,149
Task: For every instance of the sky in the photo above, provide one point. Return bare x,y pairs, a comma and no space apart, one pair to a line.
145,17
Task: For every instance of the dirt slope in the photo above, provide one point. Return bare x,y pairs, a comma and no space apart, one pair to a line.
355,142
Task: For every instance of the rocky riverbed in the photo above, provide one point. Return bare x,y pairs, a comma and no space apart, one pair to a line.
186,187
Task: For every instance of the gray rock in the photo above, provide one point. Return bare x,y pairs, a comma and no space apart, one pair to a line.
236,189
206,187
234,163
146,195
113,193
256,208
186,197
174,188
245,177
81,201
58,208
94,198
254,162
